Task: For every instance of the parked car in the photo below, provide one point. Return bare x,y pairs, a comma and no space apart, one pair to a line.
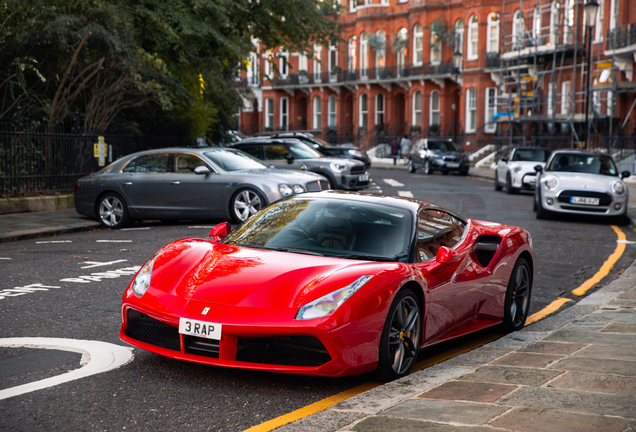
515,170
348,151
438,155
186,183
293,154
330,283
581,182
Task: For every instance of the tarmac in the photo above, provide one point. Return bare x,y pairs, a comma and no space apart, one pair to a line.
572,371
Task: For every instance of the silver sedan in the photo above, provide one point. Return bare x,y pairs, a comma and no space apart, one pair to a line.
187,183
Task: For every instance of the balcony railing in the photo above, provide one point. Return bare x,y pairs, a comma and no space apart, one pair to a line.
621,37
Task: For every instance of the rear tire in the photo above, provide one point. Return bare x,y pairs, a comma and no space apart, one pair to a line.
517,303
401,336
112,211
411,166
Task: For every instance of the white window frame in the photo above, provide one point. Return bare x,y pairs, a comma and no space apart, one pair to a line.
363,117
284,113
364,56
596,100
252,71
491,109
610,104
400,60
492,37
550,102
434,112
565,97
352,54
379,109
436,51
416,116
333,112
283,66
568,22
555,9
269,113
471,110
536,25
598,27
317,63
317,108
333,55
613,14
517,30
473,38
268,67
418,39
459,36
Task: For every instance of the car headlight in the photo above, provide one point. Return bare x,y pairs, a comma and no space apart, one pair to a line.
338,167
285,190
141,283
551,182
298,189
355,153
517,169
330,302
618,188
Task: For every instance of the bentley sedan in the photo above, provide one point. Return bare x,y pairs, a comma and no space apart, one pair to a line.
330,283
187,183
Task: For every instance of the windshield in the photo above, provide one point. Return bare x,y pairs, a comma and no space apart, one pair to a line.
443,146
234,160
531,155
328,227
325,143
583,163
303,151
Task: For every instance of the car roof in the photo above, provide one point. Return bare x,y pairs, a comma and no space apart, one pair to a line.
266,140
581,152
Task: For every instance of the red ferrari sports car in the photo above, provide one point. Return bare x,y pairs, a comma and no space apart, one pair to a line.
330,283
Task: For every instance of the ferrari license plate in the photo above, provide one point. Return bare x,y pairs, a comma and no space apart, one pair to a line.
452,164
584,200
363,177
200,328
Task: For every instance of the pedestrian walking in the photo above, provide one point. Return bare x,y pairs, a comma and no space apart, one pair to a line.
405,147
395,150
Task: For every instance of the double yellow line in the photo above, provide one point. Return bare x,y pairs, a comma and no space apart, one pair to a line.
550,309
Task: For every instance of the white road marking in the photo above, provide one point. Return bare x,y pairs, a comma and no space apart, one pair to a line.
393,183
27,289
114,241
97,357
54,241
97,277
626,241
407,194
5,258
135,229
99,264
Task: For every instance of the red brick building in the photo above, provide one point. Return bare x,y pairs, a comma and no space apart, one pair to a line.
521,76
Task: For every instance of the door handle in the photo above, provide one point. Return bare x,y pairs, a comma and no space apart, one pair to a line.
176,182
127,183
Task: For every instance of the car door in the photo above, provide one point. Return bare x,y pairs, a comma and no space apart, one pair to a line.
191,194
502,165
416,152
454,288
144,182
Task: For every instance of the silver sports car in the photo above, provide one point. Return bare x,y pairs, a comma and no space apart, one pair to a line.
187,183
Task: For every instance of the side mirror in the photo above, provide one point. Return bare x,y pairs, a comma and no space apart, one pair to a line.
220,231
202,170
504,159
289,157
446,255
538,168
625,174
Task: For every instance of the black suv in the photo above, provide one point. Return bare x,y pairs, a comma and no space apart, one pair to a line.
348,151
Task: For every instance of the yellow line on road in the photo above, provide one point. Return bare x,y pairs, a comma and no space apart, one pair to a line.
606,267
551,308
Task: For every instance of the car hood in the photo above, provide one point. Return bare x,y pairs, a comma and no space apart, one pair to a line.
441,153
327,160
206,271
571,180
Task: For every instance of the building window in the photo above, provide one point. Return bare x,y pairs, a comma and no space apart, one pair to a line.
364,55
252,70
352,53
317,112
400,45
568,22
302,69
536,24
459,36
282,67
284,114
317,63
269,113
550,102
436,48
379,109
517,30
434,111
352,5
333,114
554,22
613,14
363,111
565,97
598,27
473,38
418,36
417,109
596,100
269,60
471,110
333,63
491,109
610,104
493,33
380,53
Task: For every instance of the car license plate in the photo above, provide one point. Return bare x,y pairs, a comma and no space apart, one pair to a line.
452,164
363,177
584,200
200,328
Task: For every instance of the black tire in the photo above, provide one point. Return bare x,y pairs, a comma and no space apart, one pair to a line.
244,203
112,211
498,186
332,181
541,212
444,172
401,337
509,188
411,166
427,167
464,172
517,303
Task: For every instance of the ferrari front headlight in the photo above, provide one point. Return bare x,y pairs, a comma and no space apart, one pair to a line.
141,283
618,188
328,303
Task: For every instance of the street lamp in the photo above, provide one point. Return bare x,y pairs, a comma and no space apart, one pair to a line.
591,9
457,59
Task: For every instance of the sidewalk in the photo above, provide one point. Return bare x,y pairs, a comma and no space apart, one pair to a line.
22,226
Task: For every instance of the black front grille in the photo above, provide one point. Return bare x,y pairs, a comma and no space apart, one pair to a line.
283,350
604,198
149,330
584,209
358,169
201,346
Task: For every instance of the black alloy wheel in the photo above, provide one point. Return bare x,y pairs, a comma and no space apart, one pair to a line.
517,303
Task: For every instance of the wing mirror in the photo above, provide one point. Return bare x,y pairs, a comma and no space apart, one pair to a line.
504,159
625,174
289,157
202,170
220,231
538,168
446,255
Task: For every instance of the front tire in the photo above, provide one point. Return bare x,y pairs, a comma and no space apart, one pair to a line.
498,186
401,336
427,167
411,166
541,212
509,188
245,203
517,303
112,211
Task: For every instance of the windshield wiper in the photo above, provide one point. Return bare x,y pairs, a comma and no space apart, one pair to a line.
292,250
369,257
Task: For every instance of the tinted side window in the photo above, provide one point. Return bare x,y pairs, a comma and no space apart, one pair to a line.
186,163
436,229
274,152
253,150
154,163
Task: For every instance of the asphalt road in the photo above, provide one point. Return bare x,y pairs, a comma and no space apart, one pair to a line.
70,287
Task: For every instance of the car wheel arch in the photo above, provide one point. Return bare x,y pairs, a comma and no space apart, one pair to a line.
329,176
111,191
261,195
